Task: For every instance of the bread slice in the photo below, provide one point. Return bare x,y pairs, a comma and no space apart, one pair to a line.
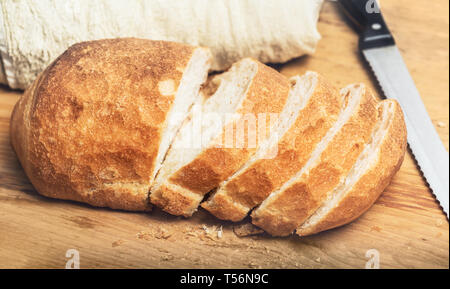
369,176
95,125
310,111
249,88
287,208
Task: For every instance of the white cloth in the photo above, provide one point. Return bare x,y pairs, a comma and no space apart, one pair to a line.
33,33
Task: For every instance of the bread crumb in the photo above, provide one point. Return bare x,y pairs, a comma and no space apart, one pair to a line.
253,265
318,260
144,235
117,243
163,234
440,124
206,229
212,233
246,229
192,234
375,228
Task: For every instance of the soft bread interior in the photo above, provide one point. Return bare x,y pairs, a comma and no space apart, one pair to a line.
365,160
301,91
187,93
299,95
352,96
229,94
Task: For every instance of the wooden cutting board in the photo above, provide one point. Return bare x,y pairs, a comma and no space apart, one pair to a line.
405,226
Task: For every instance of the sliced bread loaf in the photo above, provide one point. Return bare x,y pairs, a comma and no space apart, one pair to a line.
310,111
288,207
111,119
369,176
248,89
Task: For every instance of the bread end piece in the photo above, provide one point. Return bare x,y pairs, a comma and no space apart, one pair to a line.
89,128
359,198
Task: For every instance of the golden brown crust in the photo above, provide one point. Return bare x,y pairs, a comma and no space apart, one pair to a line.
294,204
224,208
239,195
89,128
372,183
177,200
267,93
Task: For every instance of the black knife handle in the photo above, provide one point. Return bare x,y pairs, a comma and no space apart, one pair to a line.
367,16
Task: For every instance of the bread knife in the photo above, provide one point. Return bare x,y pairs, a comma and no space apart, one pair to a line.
378,47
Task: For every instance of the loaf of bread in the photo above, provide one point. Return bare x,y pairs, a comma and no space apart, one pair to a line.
126,123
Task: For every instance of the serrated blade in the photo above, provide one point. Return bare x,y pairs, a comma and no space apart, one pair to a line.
396,82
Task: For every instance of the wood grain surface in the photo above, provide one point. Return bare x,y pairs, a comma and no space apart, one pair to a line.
406,225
